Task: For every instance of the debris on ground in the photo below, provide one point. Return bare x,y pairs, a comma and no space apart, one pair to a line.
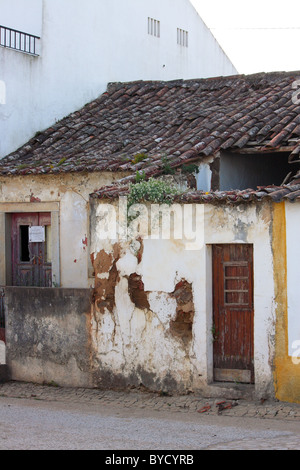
221,405
225,405
204,409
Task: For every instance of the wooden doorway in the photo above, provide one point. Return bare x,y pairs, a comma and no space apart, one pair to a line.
31,250
233,313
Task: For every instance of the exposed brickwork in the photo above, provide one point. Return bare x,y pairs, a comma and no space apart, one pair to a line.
182,325
106,278
136,291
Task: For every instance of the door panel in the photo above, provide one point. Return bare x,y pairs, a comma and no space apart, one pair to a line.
44,259
233,314
30,266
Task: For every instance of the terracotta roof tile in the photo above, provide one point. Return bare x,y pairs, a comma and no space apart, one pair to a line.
183,119
290,192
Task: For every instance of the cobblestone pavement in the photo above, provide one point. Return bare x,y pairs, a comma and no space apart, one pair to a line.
144,400
279,443
148,400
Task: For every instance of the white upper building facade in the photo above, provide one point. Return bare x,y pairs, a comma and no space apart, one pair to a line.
73,49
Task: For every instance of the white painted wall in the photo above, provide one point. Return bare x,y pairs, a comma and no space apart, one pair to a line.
23,15
85,45
203,177
293,276
164,263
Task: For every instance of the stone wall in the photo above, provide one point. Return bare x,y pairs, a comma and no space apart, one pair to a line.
47,335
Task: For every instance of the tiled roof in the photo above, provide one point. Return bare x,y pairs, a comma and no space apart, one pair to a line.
180,121
290,192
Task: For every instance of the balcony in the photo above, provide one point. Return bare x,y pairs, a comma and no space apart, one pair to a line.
18,40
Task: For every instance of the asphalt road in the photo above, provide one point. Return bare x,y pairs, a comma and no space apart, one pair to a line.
41,425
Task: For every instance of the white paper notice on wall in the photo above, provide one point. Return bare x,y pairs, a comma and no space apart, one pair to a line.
36,234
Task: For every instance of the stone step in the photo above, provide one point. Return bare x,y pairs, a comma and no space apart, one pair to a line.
230,391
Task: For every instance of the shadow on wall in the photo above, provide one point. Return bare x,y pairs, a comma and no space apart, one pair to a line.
239,171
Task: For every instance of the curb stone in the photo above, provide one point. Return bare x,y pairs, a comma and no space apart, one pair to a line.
150,400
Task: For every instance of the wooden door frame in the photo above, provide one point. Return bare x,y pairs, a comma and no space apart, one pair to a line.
210,306
233,312
6,210
30,266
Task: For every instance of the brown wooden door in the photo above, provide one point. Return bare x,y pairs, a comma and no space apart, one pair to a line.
31,261
233,314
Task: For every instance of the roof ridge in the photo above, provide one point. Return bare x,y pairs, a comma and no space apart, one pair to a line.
246,77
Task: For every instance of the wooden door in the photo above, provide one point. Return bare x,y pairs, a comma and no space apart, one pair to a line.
233,313
31,260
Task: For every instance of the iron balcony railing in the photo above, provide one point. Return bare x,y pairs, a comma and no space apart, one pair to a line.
18,40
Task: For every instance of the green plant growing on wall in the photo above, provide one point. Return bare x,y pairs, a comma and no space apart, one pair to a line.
22,166
139,157
140,176
167,169
214,334
54,282
191,168
153,190
62,161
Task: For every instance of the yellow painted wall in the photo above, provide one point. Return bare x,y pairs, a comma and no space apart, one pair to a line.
286,373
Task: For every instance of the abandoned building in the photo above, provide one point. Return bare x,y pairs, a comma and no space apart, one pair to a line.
212,308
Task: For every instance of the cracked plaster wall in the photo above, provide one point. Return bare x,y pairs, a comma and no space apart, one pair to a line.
134,345
70,193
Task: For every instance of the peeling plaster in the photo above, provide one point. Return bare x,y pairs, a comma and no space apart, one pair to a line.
122,328
159,334
127,264
70,193
137,292
164,307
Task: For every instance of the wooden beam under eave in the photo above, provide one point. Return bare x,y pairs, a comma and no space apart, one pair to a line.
255,150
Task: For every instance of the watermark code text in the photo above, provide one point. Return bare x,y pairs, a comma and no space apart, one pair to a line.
153,221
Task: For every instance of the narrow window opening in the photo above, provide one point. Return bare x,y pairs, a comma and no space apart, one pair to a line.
24,243
182,37
153,27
